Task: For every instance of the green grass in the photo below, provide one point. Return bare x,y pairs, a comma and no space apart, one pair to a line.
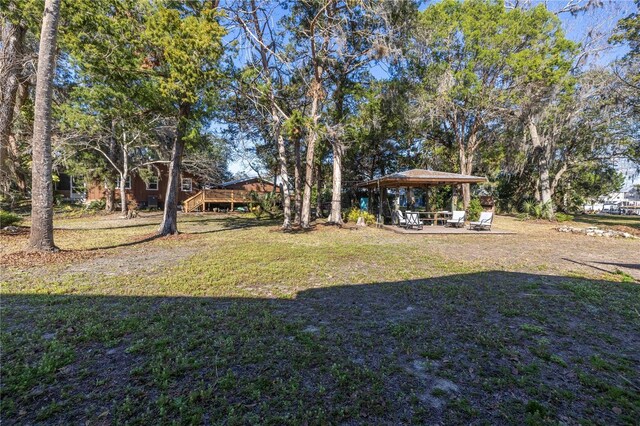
239,323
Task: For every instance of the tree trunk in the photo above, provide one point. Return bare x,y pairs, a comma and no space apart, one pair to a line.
336,195
10,64
312,137
284,174
298,183
466,168
110,198
305,215
17,175
319,183
123,194
542,153
41,236
169,225
275,122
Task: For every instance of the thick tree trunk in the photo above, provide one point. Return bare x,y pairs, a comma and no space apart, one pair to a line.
169,225
542,153
305,215
41,236
297,203
336,195
10,64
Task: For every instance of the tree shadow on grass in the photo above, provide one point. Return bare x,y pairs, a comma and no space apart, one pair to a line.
106,228
493,347
614,272
622,265
128,244
237,222
615,220
228,224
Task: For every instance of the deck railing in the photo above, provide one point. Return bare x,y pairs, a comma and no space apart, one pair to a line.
230,196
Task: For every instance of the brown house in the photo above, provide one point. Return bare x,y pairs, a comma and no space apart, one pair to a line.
249,184
228,195
151,193
193,194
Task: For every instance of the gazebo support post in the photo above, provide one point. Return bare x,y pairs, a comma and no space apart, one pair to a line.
454,197
427,198
380,216
385,198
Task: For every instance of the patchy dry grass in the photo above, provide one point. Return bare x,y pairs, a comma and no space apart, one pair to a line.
234,322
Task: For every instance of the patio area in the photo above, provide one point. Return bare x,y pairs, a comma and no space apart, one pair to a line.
442,230
419,213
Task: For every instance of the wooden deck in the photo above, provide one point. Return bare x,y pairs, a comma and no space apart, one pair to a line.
216,196
442,230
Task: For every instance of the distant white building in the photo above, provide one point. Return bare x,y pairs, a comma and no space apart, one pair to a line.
626,201
623,202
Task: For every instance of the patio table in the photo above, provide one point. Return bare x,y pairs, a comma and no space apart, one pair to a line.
434,217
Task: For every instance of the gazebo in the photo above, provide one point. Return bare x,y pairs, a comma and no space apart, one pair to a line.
417,178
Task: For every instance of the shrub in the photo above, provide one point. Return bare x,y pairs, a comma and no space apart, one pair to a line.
546,210
528,207
58,199
96,205
475,208
8,218
537,210
264,203
355,213
563,217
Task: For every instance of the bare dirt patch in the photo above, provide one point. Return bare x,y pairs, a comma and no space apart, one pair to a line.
36,259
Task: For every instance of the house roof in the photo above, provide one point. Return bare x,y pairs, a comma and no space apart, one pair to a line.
421,177
244,180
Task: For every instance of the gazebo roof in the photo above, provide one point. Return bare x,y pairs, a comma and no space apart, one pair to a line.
421,177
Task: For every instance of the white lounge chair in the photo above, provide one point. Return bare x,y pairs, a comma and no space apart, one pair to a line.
486,218
457,219
398,218
413,220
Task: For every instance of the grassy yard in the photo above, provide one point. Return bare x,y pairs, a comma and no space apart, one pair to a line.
234,322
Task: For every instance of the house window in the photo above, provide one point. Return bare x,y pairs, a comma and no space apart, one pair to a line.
63,183
186,184
152,184
127,184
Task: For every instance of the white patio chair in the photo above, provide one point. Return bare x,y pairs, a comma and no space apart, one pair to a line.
413,220
457,219
486,218
398,218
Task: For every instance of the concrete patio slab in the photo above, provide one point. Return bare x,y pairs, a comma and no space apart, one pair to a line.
441,230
